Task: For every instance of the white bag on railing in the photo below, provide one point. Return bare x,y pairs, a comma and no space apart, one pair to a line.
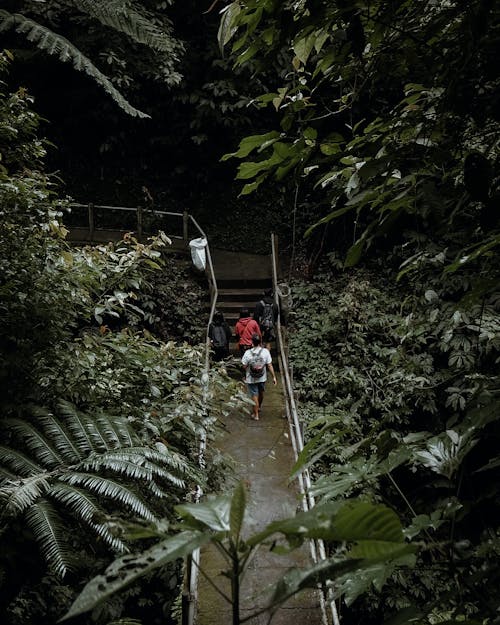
198,253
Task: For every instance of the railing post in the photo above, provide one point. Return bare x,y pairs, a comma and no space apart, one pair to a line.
91,222
139,223
185,225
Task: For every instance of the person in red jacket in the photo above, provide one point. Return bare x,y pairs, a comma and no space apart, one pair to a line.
245,327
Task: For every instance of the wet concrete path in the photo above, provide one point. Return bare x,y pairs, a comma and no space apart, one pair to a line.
263,458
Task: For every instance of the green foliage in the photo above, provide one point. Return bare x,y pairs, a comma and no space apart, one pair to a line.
76,462
386,112
126,18
100,418
399,390
373,533
52,43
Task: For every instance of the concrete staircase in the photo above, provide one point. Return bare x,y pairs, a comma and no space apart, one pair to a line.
234,297
241,280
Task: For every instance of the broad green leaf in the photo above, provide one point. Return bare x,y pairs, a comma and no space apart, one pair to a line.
129,568
423,522
328,149
250,169
381,549
362,520
250,52
303,46
310,133
295,579
354,253
227,26
237,511
213,513
329,217
248,144
340,521
250,187
480,250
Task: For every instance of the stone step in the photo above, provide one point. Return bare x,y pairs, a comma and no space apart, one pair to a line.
240,295
254,284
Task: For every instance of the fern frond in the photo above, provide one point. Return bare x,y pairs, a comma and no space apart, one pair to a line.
85,509
112,490
153,487
124,432
132,465
35,442
122,17
47,528
55,44
6,475
77,424
111,432
60,438
18,496
18,462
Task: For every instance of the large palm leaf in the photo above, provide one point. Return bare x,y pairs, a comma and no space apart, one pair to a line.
57,45
121,15
74,465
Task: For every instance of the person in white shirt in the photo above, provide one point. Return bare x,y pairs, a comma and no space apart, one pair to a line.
256,361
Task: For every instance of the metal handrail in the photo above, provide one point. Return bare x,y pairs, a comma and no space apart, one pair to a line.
191,598
194,559
139,210
317,547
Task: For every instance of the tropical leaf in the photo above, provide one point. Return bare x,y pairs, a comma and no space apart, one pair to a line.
212,514
226,26
122,16
48,529
57,45
18,462
104,487
81,465
339,521
444,454
18,496
296,579
127,569
85,508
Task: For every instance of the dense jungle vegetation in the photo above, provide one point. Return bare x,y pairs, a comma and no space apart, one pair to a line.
372,130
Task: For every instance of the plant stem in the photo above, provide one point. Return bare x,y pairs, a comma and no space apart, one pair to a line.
235,587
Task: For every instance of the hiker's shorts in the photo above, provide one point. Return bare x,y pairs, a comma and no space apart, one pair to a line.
255,388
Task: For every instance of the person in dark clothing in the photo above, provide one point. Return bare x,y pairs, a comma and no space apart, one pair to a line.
219,333
266,315
244,329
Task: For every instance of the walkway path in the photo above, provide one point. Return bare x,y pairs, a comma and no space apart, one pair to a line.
263,458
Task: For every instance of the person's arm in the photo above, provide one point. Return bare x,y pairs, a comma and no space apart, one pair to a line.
228,332
271,369
257,312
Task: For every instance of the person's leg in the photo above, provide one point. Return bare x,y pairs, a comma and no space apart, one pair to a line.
261,394
253,391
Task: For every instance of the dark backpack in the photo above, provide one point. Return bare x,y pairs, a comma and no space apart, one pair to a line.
219,336
257,364
267,317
